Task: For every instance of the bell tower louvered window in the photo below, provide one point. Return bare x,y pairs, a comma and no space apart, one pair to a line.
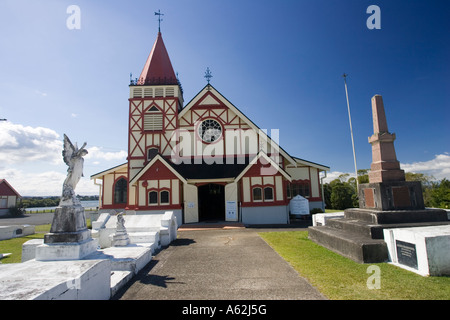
153,119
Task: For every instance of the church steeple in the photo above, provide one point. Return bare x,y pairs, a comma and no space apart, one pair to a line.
158,69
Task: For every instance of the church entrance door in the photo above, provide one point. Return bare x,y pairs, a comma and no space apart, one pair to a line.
211,202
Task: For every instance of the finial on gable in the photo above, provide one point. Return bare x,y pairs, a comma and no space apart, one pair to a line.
208,75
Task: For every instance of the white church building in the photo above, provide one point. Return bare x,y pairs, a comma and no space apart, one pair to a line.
205,160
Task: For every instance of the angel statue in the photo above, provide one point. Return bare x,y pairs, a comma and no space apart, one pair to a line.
73,157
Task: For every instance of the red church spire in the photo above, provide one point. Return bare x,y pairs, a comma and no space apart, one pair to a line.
158,68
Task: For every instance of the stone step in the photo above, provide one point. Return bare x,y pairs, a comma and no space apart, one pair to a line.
351,245
369,230
119,279
375,231
396,216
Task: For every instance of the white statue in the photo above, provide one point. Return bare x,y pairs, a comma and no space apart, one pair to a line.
120,225
73,157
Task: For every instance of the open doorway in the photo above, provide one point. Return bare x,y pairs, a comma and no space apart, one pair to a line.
211,202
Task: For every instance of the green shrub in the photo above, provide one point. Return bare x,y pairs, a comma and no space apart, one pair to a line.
16,211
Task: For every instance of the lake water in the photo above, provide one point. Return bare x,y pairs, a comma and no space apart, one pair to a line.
85,204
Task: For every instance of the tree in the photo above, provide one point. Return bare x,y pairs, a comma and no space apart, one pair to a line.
341,195
363,176
440,194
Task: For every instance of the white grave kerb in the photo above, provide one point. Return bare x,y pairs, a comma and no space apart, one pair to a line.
423,250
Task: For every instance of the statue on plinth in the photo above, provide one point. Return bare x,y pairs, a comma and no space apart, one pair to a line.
120,238
69,238
73,157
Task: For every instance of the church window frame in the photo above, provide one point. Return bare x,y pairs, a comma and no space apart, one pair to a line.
210,130
299,187
153,197
120,191
153,119
257,194
269,194
152,152
162,197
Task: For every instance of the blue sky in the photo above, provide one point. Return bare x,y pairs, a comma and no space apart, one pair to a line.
281,63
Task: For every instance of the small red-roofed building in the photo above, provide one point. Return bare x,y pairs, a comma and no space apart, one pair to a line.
8,197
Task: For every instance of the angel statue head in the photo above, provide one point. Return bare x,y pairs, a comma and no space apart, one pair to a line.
73,157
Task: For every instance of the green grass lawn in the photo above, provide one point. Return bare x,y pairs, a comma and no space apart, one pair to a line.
339,278
14,245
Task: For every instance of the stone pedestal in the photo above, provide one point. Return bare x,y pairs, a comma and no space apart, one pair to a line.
69,225
120,239
69,237
394,195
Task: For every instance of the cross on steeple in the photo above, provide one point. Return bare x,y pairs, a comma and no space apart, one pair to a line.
159,14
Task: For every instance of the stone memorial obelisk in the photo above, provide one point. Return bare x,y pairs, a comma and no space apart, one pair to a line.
387,188
69,237
387,201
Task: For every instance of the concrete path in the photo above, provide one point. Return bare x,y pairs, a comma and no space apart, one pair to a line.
29,218
221,264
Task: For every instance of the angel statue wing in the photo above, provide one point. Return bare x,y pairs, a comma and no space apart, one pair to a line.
68,151
73,157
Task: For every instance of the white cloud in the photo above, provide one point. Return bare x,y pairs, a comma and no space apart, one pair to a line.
47,183
439,167
42,94
31,160
335,174
98,153
20,143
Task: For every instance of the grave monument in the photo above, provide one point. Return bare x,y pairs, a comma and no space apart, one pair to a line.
120,238
69,237
387,201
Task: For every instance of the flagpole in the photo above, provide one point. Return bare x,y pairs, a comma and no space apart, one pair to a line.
351,133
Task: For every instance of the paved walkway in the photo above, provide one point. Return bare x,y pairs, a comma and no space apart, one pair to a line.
29,218
218,264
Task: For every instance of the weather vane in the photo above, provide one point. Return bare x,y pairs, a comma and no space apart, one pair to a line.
159,14
208,75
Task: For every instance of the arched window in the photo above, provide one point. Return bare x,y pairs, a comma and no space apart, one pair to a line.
164,197
257,194
268,194
153,197
120,191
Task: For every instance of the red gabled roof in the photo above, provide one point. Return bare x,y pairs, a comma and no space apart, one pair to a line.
158,68
7,190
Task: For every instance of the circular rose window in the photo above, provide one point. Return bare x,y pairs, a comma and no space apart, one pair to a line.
210,130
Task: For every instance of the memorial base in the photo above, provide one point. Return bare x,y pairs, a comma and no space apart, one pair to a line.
69,225
359,234
66,251
120,239
69,237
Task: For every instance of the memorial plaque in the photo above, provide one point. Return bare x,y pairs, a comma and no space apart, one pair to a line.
406,254
368,198
299,206
401,197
